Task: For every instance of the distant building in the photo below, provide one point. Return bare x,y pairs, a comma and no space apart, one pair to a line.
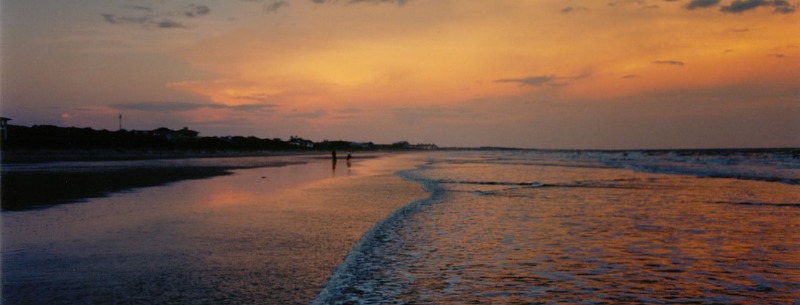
298,141
361,144
425,146
4,126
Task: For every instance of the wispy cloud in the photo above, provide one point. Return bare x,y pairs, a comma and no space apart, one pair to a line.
625,2
669,62
169,24
535,81
307,115
695,4
573,9
275,6
271,6
630,76
739,6
140,7
398,2
150,17
172,107
195,10
778,55
114,19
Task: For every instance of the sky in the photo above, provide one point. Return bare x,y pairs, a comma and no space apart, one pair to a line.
570,74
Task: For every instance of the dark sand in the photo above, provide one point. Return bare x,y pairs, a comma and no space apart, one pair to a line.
43,178
260,236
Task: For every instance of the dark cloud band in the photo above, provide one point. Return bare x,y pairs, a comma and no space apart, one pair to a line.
669,62
535,81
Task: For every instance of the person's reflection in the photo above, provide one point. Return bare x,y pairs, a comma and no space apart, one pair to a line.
349,156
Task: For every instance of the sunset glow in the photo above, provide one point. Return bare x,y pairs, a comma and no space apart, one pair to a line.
538,74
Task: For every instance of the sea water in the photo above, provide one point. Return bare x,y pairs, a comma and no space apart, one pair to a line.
555,227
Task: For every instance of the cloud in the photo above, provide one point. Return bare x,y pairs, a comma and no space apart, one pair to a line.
669,62
399,2
197,10
625,2
149,17
275,6
350,110
169,24
784,7
172,107
144,21
536,81
739,6
573,9
141,8
694,4
307,115
114,19
778,55
630,76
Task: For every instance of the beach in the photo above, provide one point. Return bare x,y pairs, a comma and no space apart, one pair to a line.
449,227
267,235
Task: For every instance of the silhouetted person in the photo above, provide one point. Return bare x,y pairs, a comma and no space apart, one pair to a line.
333,155
348,156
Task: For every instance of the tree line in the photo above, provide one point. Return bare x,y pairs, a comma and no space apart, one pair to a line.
48,137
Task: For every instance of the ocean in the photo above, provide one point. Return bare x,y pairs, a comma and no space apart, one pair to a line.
447,227
586,227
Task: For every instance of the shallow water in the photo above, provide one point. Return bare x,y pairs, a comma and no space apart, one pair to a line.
259,236
537,227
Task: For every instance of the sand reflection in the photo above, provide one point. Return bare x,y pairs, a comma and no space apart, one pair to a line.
267,235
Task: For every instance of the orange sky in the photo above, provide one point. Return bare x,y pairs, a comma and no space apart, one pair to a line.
540,74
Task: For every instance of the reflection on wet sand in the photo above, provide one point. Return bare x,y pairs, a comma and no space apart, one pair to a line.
260,236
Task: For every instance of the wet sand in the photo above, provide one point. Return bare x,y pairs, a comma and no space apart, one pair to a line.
42,179
259,236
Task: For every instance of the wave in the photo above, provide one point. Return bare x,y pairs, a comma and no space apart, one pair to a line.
763,174
372,272
341,287
611,183
768,165
769,204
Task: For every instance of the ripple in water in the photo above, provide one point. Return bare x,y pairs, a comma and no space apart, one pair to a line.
582,234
